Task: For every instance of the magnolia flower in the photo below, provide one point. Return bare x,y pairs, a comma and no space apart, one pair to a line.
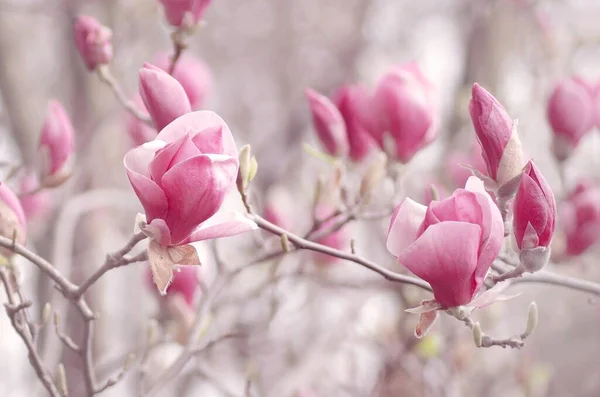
181,179
534,218
497,135
571,114
580,218
193,75
56,146
451,244
404,102
183,12
93,41
329,124
13,223
164,98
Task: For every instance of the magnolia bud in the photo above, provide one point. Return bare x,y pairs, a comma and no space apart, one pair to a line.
532,319
93,41
534,259
497,135
571,114
61,380
328,123
404,103
580,218
184,13
248,167
373,176
477,334
164,98
13,223
56,146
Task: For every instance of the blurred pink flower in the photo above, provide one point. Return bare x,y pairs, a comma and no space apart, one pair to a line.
571,113
184,283
37,204
176,10
580,218
457,172
93,41
193,75
338,239
12,218
500,144
451,244
328,123
404,104
164,98
56,146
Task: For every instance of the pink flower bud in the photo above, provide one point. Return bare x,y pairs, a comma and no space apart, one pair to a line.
353,102
451,244
37,204
12,218
580,218
497,135
193,75
328,123
338,239
139,132
93,41
571,114
163,96
56,146
176,11
181,178
404,102
534,210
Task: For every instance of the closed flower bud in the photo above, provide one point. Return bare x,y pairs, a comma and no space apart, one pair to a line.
93,41
56,146
328,123
179,13
193,75
580,218
353,102
13,223
571,114
164,98
404,102
497,135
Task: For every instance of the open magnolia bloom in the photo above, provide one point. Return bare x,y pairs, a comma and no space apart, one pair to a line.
181,179
451,244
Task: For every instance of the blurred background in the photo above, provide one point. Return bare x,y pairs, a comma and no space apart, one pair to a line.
316,330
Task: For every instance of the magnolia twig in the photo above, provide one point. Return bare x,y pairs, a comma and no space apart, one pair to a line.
516,342
107,78
179,46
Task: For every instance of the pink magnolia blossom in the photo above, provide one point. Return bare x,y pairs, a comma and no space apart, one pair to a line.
329,124
36,204
139,132
497,135
93,41
12,218
176,11
56,146
534,219
571,114
404,103
353,102
164,98
580,218
182,177
451,244
193,75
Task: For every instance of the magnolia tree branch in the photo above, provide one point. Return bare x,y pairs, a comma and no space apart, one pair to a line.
107,78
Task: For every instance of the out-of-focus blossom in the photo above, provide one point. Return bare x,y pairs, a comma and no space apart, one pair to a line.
193,75
456,162
404,103
451,244
35,203
338,239
329,124
579,216
139,132
164,98
93,41
13,223
279,207
184,283
56,146
534,218
497,135
571,114
183,12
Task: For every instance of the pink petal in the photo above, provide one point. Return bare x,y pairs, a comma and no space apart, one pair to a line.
426,320
195,189
328,123
158,231
222,224
446,257
404,225
210,140
200,123
175,152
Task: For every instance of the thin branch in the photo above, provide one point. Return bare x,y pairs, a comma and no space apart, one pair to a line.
179,46
107,78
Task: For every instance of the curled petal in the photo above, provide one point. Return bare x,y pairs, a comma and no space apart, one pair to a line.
426,320
222,224
175,152
404,225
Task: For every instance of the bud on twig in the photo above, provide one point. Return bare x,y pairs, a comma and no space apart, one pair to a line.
477,334
373,176
248,167
46,311
61,380
285,243
532,320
